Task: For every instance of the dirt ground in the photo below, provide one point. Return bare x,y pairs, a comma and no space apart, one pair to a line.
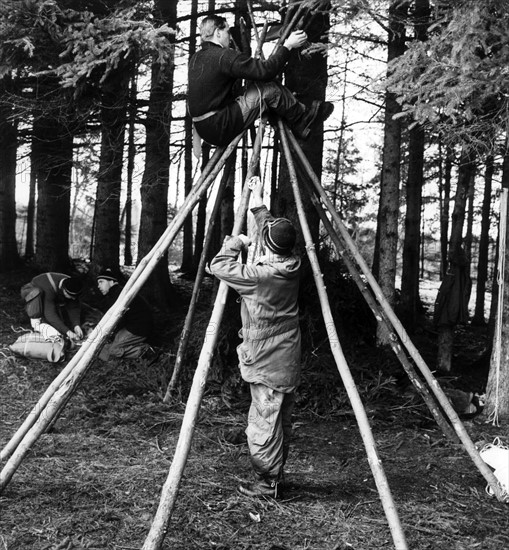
93,481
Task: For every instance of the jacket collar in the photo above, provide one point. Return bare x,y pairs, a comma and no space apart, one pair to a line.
207,45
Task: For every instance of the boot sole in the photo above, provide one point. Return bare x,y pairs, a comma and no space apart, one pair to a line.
326,110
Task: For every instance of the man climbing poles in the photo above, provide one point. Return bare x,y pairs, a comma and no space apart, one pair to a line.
213,71
269,355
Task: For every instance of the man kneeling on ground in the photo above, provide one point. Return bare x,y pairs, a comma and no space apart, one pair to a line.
52,301
133,329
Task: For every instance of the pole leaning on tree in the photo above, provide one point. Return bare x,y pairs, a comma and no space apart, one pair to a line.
171,486
444,402
348,381
219,157
45,412
380,316
200,274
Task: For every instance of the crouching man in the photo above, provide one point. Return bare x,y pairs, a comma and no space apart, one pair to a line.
52,301
269,355
130,338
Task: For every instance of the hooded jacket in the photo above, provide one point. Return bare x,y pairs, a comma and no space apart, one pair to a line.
271,348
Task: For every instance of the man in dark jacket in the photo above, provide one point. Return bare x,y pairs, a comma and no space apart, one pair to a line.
217,115
130,338
52,303
269,355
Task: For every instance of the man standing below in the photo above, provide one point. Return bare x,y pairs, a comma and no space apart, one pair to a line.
135,326
52,303
217,115
269,355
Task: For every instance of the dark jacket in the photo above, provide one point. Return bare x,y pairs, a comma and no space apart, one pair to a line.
213,72
55,303
138,317
271,349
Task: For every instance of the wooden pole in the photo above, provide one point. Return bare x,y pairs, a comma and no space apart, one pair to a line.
380,316
348,381
49,406
171,486
186,331
398,327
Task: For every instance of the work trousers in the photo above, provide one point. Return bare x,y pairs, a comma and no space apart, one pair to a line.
269,430
125,345
262,96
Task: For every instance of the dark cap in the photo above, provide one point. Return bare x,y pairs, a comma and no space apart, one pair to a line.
108,274
73,286
280,236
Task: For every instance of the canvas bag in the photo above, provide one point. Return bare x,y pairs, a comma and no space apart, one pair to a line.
34,346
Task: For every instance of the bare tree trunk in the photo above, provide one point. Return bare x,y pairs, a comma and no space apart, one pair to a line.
187,230
410,302
411,246
469,233
307,78
187,235
484,242
9,256
30,244
226,213
445,200
465,174
340,160
54,147
131,153
154,186
109,179
497,391
458,263
386,245
201,218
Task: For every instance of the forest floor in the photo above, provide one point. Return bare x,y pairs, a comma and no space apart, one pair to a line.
93,481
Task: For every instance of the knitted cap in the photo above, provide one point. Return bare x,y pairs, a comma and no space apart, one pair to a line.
108,274
280,236
72,285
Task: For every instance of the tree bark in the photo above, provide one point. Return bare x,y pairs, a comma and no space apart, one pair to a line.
307,77
410,302
386,246
411,247
484,243
9,256
469,233
445,201
30,240
109,180
466,172
187,235
201,218
131,153
497,390
154,186
53,143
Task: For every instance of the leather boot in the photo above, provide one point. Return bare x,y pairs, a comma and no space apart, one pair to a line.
261,487
319,110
